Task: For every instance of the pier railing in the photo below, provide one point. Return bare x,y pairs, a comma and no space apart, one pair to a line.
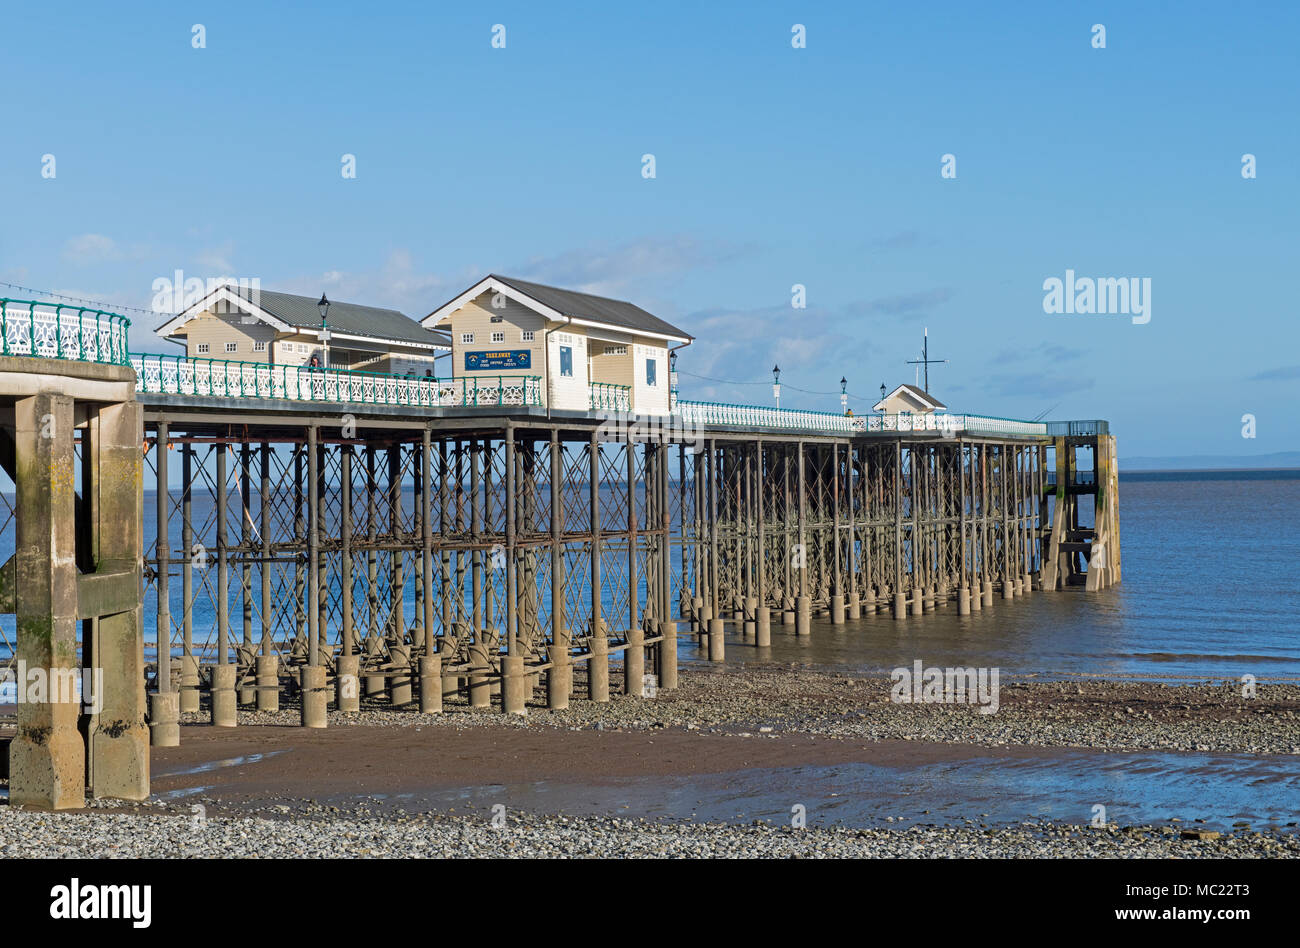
1078,429
215,378
55,331
719,413
947,424
609,397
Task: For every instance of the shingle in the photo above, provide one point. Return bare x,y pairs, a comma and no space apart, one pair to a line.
595,308
369,321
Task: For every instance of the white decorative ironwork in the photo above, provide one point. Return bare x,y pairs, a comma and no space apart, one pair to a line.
54,331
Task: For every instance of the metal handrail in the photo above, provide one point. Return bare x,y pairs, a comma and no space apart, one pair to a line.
217,378
610,397
56,331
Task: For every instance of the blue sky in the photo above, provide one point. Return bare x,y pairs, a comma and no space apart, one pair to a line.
774,166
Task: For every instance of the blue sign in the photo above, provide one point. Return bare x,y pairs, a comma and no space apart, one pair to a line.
503,359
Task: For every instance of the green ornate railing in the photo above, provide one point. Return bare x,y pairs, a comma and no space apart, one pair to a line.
56,331
215,378
609,397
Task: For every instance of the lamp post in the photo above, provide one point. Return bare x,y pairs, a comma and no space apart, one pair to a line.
324,307
882,398
776,384
672,381
844,395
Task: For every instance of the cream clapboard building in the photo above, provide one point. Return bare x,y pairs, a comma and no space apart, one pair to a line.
909,400
588,350
240,324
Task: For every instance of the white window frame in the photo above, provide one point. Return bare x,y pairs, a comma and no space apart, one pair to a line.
499,337
232,347
202,348
527,335
259,345
467,339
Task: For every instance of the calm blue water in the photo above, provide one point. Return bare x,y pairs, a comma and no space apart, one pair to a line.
1210,590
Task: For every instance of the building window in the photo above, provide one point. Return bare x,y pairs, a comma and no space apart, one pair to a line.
566,361
202,348
616,350
527,335
232,347
259,345
651,369
466,338
498,337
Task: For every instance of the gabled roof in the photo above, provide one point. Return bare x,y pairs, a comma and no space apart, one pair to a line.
289,312
559,304
924,397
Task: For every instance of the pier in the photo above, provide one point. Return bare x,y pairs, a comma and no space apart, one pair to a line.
321,538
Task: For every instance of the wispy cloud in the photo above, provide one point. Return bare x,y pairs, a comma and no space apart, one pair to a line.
905,306
90,248
1044,352
605,271
1280,374
1024,384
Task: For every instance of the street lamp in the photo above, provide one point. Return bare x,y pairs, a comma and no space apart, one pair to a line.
882,398
324,307
776,384
672,380
844,395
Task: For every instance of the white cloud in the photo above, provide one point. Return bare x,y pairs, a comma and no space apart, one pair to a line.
90,248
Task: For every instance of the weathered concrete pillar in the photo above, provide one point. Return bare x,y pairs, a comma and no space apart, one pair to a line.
1027,583
189,700
374,684
668,655
246,657
963,601
268,682
513,684
855,607
480,686
118,733
900,605
164,719
598,668
918,601
225,713
399,687
47,758
559,679
717,641
803,615
988,592
976,599
431,683
927,599
837,610
347,684
751,615
634,662
1008,589
763,627
315,696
